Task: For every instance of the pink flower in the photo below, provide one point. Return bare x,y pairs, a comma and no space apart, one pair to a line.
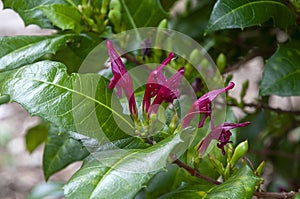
202,106
222,134
155,80
167,92
121,79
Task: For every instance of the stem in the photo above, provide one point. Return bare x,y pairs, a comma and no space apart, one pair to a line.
265,106
131,59
290,194
196,173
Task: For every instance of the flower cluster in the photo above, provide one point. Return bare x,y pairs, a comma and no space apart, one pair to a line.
162,89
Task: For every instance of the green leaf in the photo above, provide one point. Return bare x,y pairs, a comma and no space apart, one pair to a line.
169,181
120,175
36,136
188,191
65,17
239,185
30,12
80,103
146,14
76,52
60,151
245,13
281,74
47,190
21,50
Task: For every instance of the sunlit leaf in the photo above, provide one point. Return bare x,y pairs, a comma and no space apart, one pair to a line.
21,50
79,103
239,185
66,17
120,174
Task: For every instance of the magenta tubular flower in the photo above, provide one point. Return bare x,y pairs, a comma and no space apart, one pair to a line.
222,134
167,92
121,79
202,106
155,80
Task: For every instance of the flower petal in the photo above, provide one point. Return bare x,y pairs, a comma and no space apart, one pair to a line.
220,133
155,80
202,106
121,79
167,92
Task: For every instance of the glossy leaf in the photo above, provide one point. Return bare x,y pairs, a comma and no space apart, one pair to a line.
36,136
21,50
30,12
66,17
60,151
120,175
281,74
244,13
79,103
188,191
146,14
170,181
239,185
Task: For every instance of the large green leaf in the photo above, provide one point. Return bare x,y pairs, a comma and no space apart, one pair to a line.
64,16
21,50
30,12
146,14
282,71
239,185
60,151
79,103
120,174
245,13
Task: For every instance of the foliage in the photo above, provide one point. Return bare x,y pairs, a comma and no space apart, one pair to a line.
42,73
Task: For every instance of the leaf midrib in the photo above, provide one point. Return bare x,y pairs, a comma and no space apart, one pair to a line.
81,94
241,7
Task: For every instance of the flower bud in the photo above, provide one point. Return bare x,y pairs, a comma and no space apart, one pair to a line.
221,62
239,151
115,18
4,99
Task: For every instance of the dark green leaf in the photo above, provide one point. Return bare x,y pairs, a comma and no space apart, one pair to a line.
36,136
76,53
239,185
120,175
65,17
60,151
30,12
21,50
146,14
80,103
244,13
282,71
